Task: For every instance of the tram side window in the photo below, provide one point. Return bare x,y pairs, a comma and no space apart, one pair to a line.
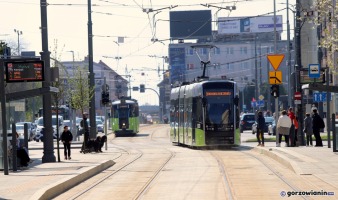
197,109
114,112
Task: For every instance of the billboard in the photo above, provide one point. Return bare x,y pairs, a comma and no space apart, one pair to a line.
177,65
192,24
231,25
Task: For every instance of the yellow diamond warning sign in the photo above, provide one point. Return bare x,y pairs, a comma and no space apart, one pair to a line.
275,60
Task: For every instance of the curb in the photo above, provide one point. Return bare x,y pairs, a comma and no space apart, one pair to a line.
279,158
66,183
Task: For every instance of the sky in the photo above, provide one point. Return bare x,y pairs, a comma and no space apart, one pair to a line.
113,19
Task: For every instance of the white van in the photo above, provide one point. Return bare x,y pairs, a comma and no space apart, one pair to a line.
39,135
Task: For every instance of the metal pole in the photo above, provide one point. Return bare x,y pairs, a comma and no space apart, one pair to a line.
334,132
256,70
105,112
3,118
48,144
328,109
18,43
298,67
275,45
288,54
267,71
92,113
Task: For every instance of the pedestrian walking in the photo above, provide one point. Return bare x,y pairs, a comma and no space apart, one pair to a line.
283,127
308,129
260,128
317,124
66,138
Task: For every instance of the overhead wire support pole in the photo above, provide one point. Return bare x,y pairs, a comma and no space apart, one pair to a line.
288,54
298,67
92,113
48,144
275,51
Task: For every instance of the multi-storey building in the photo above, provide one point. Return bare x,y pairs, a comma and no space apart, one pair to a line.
117,84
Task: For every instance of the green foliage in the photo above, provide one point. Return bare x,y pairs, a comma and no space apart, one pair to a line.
57,97
80,91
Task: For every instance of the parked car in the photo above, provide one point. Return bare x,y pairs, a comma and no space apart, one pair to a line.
31,129
39,133
268,122
272,128
70,126
100,125
101,118
246,121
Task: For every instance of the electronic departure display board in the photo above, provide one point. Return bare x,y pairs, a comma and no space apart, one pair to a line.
24,71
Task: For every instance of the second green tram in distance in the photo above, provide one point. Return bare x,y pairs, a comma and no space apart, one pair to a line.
205,114
125,116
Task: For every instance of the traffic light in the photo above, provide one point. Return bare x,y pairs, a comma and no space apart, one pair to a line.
105,98
142,88
275,91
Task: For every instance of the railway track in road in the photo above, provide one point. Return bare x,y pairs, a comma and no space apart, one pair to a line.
239,177
131,156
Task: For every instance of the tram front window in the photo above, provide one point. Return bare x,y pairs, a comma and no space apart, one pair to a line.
123,113
218,113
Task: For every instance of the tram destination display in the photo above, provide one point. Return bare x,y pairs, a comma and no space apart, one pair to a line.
24,71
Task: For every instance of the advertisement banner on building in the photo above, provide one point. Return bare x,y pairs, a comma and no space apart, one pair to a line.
177,65
261,24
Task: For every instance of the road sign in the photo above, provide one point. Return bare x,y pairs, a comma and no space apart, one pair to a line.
298,95
298,102
321,96
275,77
261,97
275,60
260,103
314,70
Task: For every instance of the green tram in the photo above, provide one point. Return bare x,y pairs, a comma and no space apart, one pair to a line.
205,114
125,117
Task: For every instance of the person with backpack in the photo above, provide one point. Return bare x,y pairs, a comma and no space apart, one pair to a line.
317,124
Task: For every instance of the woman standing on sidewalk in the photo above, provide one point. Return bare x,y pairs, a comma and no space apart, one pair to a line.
283,127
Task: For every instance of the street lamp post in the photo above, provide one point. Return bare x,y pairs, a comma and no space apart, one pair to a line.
19,33
92,109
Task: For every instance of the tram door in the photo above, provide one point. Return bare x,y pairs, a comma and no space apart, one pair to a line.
181,115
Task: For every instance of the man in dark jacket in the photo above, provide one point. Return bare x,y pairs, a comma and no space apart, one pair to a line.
66,138
260,128
85,129
317,124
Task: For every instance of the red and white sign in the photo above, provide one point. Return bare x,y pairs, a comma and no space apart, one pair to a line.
298,96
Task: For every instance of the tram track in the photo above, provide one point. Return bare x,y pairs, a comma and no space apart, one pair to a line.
129,155
228,177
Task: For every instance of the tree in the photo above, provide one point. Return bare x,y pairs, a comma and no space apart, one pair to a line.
326,21
59,96
80,90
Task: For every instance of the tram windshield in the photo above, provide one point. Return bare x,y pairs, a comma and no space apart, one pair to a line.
125,111
219,106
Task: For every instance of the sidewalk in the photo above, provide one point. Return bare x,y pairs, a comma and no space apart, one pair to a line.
46,180
321,162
